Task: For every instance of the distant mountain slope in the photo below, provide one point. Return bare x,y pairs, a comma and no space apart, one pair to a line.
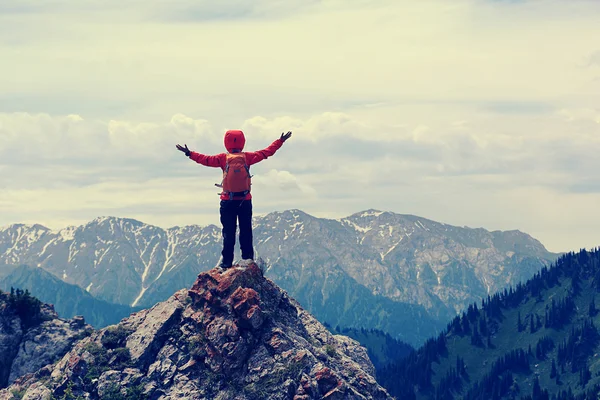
538,340
68,300
381,347
389,259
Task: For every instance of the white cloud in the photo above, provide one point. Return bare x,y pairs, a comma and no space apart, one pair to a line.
471,111
390,51
328,124
500,172
283,183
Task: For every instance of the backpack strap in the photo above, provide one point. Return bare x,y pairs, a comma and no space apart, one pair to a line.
247,166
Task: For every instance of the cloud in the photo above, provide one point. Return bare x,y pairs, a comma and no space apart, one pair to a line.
582,114
112,54
312,129
284,183
593,60
436,108
120,167
509,107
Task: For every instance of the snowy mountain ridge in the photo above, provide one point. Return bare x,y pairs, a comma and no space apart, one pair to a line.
403,258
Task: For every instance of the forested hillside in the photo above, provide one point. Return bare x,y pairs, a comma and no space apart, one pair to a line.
537,340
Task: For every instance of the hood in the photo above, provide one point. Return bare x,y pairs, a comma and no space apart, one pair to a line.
234,139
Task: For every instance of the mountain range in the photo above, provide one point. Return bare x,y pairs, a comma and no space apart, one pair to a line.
68,300
403,274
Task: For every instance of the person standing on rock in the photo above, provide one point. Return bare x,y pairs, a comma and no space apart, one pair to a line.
236,200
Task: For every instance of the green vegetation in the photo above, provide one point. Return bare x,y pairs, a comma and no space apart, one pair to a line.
538,340
115,392
173,333
105,359
381,347
27,307
115,336
330,350
68,394
256,391
18,394
68,300
100,363
195,346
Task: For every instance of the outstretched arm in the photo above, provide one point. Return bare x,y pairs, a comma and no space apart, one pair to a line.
257,156
209,161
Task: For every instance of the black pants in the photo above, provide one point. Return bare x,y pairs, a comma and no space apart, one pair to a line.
231,212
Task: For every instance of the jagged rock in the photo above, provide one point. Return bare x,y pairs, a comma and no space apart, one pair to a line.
117,381
233,335
11,335
25,348
77,322
44,344
150,326
37,391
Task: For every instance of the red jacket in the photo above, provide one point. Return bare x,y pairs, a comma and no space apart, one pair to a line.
252,157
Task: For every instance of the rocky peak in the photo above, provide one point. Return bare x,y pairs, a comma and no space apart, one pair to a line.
233,335
32,335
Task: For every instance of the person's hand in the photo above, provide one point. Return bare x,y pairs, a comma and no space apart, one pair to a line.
286,136
184,149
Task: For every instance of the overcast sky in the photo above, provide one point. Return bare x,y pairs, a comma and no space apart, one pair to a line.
479,113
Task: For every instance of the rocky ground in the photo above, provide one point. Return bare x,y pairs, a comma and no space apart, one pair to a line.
25,349
233,335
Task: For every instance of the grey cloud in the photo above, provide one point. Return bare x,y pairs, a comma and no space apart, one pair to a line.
28,7
229,10
61,103
204,11
585,186
501,106
368,150
8,7
80,156
518,107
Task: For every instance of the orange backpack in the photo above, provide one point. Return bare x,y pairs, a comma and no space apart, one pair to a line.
236,176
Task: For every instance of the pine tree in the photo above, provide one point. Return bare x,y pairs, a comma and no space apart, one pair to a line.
537,390
592,309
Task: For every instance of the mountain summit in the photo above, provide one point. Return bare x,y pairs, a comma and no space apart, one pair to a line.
233,335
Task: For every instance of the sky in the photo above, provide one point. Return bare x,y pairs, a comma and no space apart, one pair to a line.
478,113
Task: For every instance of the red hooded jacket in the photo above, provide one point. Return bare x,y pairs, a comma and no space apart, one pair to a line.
234,141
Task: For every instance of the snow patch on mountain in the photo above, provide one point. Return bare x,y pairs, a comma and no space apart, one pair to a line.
356,227
137,299
133,263
67,234
371,213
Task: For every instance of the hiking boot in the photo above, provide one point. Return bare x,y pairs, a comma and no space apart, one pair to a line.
224,266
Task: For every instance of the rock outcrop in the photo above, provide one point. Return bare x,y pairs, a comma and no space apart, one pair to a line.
233,335
26,344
